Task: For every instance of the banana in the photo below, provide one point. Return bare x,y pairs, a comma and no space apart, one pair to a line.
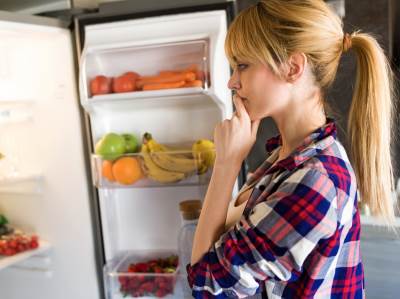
171,162
154,172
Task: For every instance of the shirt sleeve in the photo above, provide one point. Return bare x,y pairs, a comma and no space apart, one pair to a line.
273,241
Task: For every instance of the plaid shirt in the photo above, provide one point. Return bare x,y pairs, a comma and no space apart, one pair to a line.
299,235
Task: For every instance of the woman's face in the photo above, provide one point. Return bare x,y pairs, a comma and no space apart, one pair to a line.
264,94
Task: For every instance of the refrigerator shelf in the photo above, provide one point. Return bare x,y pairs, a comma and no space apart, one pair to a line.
155,169
115,99
120,283
9,261
22,184
133,68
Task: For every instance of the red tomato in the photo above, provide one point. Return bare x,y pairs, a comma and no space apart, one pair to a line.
132,75
123,83
100,85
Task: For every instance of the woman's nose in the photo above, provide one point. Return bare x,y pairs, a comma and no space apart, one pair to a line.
234,82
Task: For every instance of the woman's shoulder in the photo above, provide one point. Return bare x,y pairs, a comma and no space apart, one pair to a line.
333,162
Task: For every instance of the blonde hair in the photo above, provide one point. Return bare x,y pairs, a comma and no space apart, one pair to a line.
272,30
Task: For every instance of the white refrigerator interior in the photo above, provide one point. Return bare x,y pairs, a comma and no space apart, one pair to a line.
147,218
43,181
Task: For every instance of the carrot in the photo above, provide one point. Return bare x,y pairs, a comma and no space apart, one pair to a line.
166,85
189,76
195,83
192,68
168,73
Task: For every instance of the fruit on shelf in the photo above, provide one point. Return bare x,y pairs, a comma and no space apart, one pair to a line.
204,149
156,173
132,75
100,85
110,146
106,170
12,244
124,83
152,278
191,76
167,159
127,170
131,143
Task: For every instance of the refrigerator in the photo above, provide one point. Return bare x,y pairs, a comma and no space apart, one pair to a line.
51,181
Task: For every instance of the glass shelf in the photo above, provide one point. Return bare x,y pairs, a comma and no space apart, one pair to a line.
157,169
8,261
22,184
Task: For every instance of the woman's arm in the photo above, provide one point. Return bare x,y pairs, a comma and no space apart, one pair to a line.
233,140
212,219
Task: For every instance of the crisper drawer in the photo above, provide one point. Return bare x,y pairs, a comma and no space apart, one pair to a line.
142,69
143,274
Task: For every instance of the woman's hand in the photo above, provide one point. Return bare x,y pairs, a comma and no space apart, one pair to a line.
234,137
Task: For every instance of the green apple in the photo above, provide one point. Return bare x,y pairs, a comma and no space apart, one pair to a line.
110,146
131,143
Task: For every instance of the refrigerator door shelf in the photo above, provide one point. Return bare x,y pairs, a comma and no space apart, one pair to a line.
180,64
14,260
120,283
22,184
157,169
178,96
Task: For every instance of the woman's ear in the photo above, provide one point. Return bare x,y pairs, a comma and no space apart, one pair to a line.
295,66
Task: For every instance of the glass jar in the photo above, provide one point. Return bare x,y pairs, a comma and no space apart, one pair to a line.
190,212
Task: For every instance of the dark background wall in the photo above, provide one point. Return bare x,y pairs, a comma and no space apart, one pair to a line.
373,16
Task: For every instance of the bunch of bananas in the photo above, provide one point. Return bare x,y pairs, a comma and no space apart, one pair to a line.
166,165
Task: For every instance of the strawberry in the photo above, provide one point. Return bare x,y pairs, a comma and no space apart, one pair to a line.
142,267
147,287
33,244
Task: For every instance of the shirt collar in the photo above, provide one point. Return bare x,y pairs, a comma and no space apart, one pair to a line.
317,141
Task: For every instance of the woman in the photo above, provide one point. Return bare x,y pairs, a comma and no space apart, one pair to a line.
297,233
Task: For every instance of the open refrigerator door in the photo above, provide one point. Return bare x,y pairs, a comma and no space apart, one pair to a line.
43,180
163,80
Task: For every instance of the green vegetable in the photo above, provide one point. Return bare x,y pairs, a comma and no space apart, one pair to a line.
3,220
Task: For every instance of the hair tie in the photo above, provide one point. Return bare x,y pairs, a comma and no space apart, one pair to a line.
347,43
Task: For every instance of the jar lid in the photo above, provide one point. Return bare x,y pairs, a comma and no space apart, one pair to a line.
191,205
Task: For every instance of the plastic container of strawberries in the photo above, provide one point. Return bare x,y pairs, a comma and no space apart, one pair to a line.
122,280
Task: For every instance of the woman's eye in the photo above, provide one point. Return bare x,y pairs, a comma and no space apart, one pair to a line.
241,66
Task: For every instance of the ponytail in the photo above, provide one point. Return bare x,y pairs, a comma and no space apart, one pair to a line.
370,126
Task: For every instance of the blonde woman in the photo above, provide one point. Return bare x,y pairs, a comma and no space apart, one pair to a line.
294,229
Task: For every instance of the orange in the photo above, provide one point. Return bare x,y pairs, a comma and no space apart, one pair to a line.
107,170
126,170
